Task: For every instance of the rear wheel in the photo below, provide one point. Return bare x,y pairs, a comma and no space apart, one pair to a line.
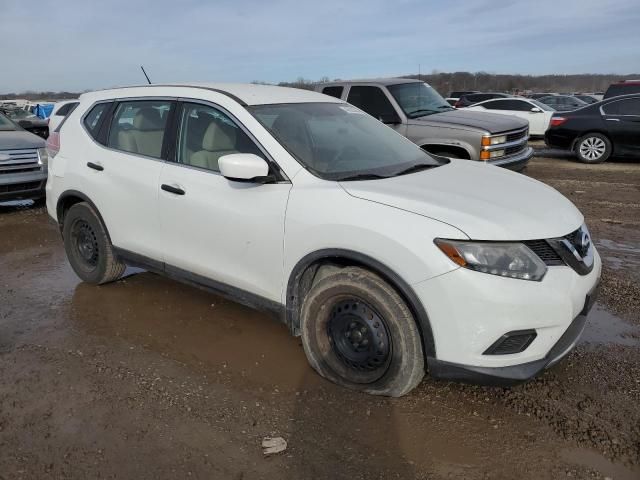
359,333
593,148
88,247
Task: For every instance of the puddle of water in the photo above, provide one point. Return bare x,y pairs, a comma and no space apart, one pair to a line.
619,255
591,459
605,328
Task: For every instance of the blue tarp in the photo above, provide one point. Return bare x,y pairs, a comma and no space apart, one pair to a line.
42,110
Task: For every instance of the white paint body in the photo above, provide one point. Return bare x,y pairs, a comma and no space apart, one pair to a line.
251,236
538,120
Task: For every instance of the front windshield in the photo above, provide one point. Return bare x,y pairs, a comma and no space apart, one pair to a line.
542,106
418,99
6,124
18,114
337,141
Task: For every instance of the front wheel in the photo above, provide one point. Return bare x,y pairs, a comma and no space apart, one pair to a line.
593,148
359,333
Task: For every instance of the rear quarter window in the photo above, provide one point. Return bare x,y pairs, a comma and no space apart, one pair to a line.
333,91
93,120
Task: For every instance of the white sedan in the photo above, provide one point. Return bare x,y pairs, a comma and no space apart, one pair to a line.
538,114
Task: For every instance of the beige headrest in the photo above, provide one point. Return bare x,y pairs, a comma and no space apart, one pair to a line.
219,137
147,118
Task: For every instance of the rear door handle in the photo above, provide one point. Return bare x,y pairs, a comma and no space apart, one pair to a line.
95,166
172,189
612,119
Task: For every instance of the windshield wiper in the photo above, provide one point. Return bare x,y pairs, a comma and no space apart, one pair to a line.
446,106
362,176
421,112
416,168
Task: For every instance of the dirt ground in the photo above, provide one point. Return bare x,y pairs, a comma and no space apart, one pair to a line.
148,378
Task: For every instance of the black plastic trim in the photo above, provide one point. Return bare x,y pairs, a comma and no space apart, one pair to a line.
493,349
227,291
417,309
74,193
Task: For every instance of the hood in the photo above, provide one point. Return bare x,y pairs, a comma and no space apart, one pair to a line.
491,122
19,139
484,201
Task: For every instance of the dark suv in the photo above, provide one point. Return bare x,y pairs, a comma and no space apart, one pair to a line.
625,87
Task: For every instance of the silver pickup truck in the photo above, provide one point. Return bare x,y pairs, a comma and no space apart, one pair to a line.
418,112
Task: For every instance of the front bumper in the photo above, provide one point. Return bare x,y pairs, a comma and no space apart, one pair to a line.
23,186
514,162
468,311
512,375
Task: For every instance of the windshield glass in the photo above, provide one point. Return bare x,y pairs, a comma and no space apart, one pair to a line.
418,99
542,106
18,114
6,124
337,141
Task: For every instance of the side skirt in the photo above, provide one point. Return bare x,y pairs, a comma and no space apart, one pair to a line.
224,290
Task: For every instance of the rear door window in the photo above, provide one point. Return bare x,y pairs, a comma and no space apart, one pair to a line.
629,106
139,127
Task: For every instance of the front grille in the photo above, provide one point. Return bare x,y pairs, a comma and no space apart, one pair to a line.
543,250
20,187
515,149
513,136
20,160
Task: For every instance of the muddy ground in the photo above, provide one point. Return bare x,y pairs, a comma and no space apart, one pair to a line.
148,378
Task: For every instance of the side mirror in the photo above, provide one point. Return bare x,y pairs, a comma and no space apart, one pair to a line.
536,110
389,118
245,167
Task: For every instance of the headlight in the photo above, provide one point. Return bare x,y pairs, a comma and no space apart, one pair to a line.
43,156
489,140
512,260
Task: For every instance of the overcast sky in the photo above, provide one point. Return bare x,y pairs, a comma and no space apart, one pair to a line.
87,44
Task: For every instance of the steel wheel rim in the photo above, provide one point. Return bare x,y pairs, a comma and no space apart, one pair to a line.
592,148
359,336
85,244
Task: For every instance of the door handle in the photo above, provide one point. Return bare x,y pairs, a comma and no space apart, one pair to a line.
95,166
612,119
171,189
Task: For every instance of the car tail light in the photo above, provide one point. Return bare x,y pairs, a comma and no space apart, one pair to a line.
53,144
557,121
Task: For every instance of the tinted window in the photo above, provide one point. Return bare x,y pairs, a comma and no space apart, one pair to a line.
206,134
138,127
66,109
622,89
517,105
333,91
629,106
372,100
92,119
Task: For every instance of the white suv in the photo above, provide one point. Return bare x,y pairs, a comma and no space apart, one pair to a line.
386,260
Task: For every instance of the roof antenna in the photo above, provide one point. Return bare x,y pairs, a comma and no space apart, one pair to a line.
145,74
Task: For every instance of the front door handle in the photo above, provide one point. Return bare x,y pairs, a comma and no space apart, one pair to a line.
612,119
95,166
172,189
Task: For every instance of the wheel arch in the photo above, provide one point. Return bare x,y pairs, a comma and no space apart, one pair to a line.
593,130
301,279
447,148
69,198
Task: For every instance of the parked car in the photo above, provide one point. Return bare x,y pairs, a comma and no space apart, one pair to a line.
384,259
537,114
624,87
536,96
588,99
454,96
61,110
600,130
418,112
27,120
563,103
23,162
471,99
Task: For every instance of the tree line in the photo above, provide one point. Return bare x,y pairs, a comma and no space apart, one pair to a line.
443,83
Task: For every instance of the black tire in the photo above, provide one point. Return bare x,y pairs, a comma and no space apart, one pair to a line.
593,148
88,247
391,366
